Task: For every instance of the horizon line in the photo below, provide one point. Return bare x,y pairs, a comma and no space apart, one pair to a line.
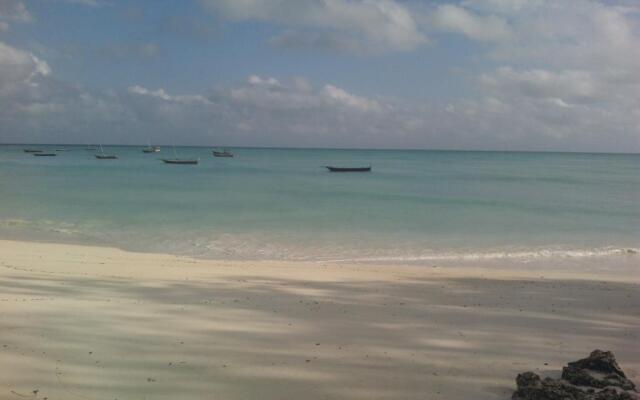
322,148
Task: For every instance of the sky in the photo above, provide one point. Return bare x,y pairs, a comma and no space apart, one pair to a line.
540,75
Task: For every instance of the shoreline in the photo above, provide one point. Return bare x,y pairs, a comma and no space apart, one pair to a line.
504,257
99,322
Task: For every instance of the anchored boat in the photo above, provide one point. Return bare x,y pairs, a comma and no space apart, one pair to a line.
223,153
151,149
179,161
182,161
103,156
349,169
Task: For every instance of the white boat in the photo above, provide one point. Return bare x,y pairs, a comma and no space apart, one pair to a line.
151,149
223,153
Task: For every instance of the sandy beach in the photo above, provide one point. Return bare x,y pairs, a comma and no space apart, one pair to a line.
81,322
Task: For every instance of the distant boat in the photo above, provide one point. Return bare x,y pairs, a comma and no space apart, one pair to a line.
41,154
91,148
183,161
106,156
151,149
223,153
32,151
62,149
349,169
103,156
179,161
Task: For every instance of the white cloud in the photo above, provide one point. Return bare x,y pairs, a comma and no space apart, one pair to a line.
14,10
90,3
554,76
452,18
149,49
335,95
132,50
270,93
332,41
570,85
162,95
568,73
347,25
19,68
502,7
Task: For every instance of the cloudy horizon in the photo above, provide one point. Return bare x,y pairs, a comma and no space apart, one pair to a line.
518,75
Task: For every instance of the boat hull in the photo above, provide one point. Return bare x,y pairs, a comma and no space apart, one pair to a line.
222,154
180,162
106,157
45,154
342,169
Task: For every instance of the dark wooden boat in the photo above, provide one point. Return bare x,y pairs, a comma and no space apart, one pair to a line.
41,154
32,151
106,156
179,161
103,156
349,169
224,153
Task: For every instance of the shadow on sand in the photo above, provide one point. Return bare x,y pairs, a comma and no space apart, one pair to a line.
259,337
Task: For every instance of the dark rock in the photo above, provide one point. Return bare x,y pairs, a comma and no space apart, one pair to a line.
597,377
601,361
599,370
531,387
614,394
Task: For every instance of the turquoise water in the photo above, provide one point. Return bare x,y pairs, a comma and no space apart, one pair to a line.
281,203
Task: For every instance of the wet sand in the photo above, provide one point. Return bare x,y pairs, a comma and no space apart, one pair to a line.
81,322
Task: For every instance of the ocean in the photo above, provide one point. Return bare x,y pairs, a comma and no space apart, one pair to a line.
415,206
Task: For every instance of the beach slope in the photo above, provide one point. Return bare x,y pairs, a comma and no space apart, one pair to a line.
81,322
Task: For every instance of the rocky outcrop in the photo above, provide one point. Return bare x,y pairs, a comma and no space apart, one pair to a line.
597,377
599,370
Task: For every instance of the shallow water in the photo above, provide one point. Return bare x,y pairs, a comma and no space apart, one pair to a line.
416,206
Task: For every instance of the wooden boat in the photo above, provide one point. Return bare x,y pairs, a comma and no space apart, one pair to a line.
151,149
224,153
179,161
349,169
106,156
32,151
41,154
182,161
103,156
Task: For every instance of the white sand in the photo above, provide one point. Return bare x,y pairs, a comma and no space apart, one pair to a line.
98,323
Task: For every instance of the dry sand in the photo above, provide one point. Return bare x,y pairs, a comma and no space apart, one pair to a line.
98,323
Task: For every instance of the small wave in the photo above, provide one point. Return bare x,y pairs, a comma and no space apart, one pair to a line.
42,226
523,255
273,246
14,222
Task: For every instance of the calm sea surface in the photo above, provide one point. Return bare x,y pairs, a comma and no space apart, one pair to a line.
281,204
